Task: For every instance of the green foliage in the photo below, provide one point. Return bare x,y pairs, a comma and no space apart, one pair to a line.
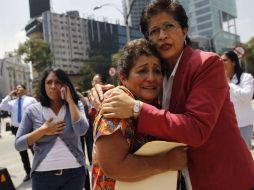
87,73
249,58
99,64
115,58
37,52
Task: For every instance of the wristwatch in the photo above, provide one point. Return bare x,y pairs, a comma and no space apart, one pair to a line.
136,109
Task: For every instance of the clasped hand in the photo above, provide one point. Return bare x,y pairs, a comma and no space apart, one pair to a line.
51,128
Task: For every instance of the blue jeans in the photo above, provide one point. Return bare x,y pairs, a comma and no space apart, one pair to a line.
247,133
67,179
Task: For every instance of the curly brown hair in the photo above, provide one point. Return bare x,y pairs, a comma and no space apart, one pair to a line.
131,52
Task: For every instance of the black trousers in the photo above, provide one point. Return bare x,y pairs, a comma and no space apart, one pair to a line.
88,137
23,154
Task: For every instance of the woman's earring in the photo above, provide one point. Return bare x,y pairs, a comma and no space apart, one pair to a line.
185,42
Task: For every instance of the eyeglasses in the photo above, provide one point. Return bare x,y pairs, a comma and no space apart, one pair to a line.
166,27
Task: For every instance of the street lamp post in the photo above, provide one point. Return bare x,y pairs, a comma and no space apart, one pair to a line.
124,14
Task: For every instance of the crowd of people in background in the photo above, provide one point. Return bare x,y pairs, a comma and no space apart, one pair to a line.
167,91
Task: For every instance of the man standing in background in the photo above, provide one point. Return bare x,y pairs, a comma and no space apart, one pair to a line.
16,103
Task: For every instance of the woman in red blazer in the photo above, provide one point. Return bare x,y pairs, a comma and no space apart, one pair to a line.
197,108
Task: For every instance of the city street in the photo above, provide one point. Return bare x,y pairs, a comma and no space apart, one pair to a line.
10,159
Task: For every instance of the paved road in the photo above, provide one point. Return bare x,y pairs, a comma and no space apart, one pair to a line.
10,159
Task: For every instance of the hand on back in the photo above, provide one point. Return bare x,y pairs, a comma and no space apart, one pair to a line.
96,94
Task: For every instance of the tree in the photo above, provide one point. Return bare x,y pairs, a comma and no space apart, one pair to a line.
250,56
115,58
99,64
87,75
37,52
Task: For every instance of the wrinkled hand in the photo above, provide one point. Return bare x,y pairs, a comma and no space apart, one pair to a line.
96,94
51,128
177,158
118,105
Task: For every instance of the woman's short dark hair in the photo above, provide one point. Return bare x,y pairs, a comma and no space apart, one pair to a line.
237,68
131,51
63,77
172,7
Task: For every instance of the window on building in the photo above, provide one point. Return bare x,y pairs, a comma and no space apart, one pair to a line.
207,25
204,18
201,3
202,11
206,33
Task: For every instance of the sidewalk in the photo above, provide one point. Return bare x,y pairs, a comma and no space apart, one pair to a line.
10,159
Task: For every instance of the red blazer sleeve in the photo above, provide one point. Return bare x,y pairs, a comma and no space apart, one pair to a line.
207,92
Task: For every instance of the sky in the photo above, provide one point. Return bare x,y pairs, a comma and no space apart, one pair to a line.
14,15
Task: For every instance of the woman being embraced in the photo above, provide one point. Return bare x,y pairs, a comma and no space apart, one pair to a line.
197,110
140,75
54,126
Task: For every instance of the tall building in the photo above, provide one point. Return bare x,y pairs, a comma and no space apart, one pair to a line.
136,10
67,36
37,7
213,20
73,39
12,73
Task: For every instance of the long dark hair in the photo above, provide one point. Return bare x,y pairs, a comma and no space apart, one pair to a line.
237,68
63,77
172,7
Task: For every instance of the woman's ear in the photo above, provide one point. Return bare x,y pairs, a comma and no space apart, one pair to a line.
185,31
122,79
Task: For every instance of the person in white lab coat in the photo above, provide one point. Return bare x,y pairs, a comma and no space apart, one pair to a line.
241,92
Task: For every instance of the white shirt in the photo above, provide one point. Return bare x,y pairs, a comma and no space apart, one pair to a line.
167,86
241,96
167,91
11,106
59,156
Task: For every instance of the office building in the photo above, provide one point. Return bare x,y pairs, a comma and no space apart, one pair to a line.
12,73
136,10
213,20
37,7
73,39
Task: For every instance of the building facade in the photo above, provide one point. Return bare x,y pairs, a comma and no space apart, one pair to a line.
67,36
73,39
136,10
213,20
12,73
